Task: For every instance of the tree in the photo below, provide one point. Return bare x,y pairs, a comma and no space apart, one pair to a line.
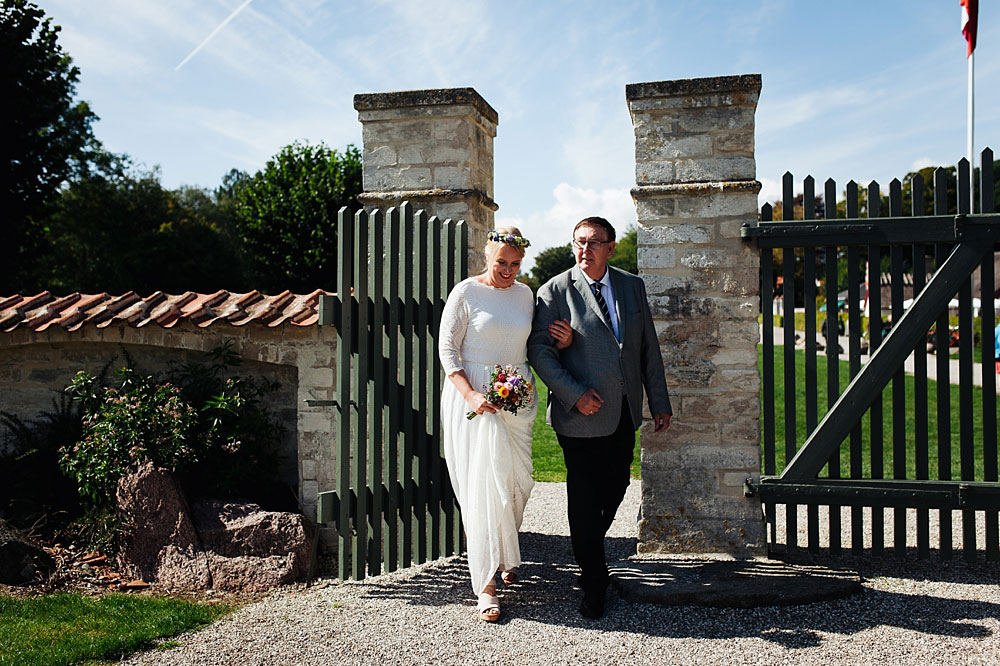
551,262
47,136
287,216
554,260
626,251
798,208
120,230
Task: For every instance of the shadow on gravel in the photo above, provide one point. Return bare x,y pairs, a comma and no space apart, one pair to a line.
908,566
547,594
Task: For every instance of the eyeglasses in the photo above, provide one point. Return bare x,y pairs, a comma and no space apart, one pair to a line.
592,245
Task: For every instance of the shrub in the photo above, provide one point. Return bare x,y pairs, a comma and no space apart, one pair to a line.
33,491
209,427
241,458
139,421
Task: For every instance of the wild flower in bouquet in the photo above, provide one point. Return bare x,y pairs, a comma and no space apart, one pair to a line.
507,389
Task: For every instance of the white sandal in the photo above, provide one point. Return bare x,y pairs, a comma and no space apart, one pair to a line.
509,576
489,607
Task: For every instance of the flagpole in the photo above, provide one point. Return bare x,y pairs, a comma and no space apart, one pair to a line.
972,161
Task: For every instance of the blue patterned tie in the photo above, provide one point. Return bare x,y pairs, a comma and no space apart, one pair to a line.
596,288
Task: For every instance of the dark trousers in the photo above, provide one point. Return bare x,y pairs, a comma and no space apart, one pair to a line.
597,476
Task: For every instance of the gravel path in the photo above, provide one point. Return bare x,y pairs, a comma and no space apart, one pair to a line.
909,613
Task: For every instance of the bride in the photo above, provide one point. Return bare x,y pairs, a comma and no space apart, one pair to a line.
486,322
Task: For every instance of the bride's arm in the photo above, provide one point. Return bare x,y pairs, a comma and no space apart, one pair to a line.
477,401
454,323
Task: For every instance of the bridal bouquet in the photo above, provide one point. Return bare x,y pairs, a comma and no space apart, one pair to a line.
507,389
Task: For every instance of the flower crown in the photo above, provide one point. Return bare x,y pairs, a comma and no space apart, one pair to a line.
510,239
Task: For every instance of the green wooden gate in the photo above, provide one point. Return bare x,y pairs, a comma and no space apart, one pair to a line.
393,505
840,458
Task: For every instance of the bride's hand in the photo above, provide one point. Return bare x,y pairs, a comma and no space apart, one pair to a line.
479,404
561,333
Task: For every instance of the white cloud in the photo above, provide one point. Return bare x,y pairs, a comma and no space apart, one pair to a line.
554,226
781,114
435,35
214,32
746,23
251,139
770,190
95,56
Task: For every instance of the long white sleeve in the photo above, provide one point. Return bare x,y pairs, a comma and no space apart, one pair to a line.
454,323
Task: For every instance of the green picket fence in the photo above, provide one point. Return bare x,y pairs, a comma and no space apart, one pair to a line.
393,505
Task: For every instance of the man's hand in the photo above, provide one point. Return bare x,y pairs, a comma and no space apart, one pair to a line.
662,422
589,403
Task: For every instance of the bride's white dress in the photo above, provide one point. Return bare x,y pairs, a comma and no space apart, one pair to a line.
489,457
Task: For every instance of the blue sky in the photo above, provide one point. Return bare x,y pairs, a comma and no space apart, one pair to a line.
852,89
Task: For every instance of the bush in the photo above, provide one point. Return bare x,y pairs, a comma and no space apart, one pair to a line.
212,429
33,491
241,458
140,421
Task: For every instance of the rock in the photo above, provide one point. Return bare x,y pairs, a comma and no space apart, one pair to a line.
21,559
161,544
251,549
226,545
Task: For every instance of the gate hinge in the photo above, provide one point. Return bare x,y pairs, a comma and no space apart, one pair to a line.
749,487
965,493
960,227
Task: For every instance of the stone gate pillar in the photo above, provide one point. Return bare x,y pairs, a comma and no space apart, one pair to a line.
695,186
433,148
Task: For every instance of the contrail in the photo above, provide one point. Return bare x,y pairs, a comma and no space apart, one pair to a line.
214,33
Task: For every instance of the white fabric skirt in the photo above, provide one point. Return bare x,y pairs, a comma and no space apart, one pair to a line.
489,462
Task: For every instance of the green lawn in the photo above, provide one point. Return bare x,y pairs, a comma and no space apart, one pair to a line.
70,628
545,452
549,466
977,353
929,407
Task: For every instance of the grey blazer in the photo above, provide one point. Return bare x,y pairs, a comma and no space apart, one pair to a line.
595,359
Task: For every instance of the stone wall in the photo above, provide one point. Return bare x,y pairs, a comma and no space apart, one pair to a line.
433,148
35,364
695,187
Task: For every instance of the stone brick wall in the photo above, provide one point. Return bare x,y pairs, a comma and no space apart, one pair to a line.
35,364
695,187
433,148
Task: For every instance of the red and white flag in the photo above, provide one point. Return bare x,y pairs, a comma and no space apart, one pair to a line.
970,19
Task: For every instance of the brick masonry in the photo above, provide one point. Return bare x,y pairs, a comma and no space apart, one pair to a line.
695,187
433,148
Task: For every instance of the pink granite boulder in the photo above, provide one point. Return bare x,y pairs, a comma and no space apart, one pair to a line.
249,548
160,543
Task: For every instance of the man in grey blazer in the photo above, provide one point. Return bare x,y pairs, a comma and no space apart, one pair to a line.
595,389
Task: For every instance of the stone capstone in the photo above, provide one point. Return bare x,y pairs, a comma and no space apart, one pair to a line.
213,544
21,559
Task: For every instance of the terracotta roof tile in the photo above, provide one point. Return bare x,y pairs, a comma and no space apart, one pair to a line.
44,310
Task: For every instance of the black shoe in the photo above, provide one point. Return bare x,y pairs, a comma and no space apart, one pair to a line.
592,606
